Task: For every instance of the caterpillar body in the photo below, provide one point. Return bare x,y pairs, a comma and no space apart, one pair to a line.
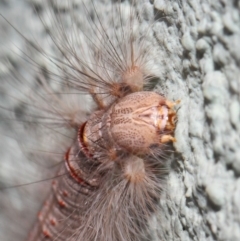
110,157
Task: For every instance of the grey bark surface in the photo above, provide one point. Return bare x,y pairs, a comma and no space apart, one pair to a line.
197,58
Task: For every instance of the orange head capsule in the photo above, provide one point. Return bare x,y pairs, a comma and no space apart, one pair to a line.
141,120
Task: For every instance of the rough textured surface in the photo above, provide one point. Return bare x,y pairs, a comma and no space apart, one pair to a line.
198,59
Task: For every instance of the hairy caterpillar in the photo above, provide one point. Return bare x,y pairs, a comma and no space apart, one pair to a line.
120,181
